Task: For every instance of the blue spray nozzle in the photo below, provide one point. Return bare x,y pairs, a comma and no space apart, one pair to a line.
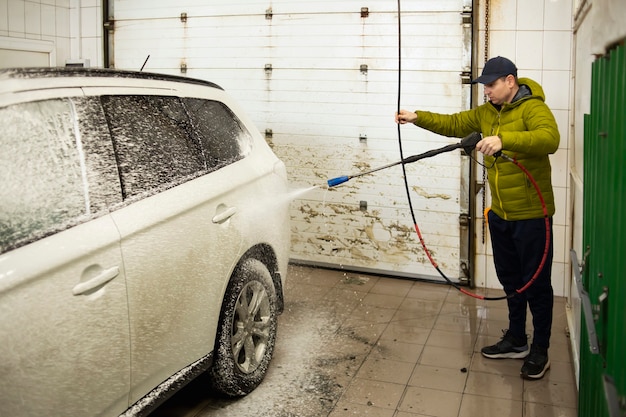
339,180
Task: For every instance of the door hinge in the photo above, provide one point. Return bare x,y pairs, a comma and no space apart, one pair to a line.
109,25
464,273
466,15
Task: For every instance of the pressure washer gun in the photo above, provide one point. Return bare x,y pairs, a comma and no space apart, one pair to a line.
468,144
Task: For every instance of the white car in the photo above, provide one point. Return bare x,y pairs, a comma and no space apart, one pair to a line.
141,242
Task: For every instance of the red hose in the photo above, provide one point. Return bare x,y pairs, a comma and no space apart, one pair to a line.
546,249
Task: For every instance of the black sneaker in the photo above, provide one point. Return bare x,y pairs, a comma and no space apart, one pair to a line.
536,364
507,347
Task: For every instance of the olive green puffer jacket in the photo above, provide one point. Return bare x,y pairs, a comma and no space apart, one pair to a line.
529,133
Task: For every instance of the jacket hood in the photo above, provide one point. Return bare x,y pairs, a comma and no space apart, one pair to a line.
535,89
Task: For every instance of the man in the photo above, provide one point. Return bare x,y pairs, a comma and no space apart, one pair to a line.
517,122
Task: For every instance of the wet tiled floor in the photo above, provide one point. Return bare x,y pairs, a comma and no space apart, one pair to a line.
352,344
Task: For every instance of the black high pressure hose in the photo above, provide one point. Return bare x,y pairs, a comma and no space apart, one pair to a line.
499,154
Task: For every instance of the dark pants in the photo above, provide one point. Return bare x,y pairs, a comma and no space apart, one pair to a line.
518,247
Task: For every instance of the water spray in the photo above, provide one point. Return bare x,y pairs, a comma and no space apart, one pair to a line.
468,144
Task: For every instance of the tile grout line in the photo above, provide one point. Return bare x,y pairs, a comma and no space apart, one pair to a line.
417,362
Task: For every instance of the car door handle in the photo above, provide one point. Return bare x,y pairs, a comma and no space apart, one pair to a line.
97,281
225,215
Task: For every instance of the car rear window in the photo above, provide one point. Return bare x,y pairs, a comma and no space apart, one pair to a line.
43,174
224,139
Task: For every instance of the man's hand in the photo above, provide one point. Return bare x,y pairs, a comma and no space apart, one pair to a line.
405,116
489,145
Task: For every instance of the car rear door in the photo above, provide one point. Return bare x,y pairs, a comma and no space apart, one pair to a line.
178,239
64,329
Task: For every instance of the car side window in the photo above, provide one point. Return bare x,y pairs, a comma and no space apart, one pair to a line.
153,141
224,139
43,177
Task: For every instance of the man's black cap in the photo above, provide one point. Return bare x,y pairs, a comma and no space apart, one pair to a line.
495,68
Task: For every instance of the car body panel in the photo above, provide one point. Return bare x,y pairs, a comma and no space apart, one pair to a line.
99,316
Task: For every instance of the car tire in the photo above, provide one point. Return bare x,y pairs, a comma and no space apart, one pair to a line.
247,331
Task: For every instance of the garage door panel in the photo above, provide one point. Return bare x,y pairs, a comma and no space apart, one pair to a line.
150,9
391,257
333,6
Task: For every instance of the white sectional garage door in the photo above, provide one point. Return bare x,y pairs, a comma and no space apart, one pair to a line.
320,79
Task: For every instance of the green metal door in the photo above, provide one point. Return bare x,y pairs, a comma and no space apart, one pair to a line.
603,346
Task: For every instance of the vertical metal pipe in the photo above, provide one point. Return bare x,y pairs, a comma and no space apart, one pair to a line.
107,33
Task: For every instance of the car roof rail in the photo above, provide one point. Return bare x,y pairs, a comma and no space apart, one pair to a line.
43,72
